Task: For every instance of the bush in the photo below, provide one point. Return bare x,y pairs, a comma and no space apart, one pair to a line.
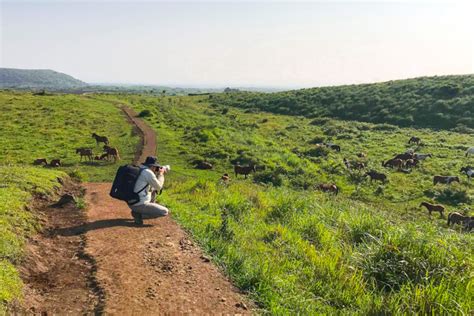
272,177
317,152
145,113
452,196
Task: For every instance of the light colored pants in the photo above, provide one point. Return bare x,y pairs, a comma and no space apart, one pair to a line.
150,210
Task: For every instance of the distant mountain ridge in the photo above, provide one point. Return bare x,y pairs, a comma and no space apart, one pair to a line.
38,79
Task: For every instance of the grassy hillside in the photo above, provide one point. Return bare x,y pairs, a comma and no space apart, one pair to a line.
52,127
17,187
37,78
435,102
48,127
369,250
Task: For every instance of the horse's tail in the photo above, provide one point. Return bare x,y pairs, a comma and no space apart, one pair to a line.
449,218
337,190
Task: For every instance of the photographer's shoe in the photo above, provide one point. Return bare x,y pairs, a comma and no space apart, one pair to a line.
137,218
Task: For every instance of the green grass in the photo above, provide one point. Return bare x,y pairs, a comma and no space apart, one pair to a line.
370,250
17,187
52,127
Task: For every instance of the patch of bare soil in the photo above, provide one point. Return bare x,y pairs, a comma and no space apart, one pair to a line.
59,278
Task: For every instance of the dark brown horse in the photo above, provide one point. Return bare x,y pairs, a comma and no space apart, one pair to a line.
394,163
433,208
112,152
445,179
458,218
204,165
328,187
374,175
55,163
411,163
404,156
100,139
85,152
245,170
40,161
415,140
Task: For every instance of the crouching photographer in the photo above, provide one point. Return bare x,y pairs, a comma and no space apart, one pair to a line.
149,181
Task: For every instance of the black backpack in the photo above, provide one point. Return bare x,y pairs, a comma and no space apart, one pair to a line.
124,184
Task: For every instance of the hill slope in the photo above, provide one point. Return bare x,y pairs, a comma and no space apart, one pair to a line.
37,78
435,102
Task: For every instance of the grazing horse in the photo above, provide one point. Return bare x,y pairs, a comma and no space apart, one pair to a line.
245,170
415,140
458,218
469,225
374,175
112,152
433,208
100,139
411,163
40,161
422,156
445,179
55,163
203,165
470,151
328,187
357,165
85,152
404,156
469,171
394,163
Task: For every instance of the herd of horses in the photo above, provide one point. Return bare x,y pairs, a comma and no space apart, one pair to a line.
403,162
109,153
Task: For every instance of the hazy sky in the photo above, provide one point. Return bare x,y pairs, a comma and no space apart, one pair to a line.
293,44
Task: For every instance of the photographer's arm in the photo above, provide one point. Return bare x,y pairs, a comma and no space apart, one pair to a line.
156,182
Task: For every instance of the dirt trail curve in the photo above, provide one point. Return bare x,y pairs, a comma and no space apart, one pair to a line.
154,269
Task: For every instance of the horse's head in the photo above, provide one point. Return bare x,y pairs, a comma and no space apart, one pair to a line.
456,179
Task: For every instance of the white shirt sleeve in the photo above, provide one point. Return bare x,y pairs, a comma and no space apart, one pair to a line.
155,182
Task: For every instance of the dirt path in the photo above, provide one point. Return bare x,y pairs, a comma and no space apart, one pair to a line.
154,268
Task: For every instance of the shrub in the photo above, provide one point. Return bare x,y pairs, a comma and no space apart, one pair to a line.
272,177
144,113
452,196
317,152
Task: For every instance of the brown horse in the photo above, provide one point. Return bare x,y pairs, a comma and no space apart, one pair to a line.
100,139
458,218
357,165
112,152
433,208
415,140
411,163
328,187
204,165
374,175
55,163
40,161
394,163
85,152
404,156
445,179
245,170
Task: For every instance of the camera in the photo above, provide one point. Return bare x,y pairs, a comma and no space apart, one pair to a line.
167,168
